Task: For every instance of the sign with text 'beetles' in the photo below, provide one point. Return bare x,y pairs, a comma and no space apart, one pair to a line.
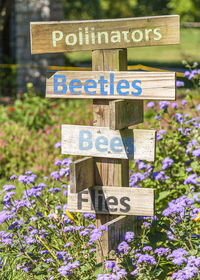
109,85
113,200
103,142
53,37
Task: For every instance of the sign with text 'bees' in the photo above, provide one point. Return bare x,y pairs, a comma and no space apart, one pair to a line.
109,85
107,143
63,36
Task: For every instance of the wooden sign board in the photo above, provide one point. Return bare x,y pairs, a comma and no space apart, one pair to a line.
111,85
116,230
124,113
81,174
103,142
63,36
113,200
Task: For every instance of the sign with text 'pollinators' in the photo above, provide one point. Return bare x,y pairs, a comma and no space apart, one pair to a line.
63,36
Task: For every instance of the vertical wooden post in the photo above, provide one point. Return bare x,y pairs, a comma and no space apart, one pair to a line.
108,172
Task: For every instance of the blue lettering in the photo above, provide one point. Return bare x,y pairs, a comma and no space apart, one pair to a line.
116,142
129,146
102,82
135,86
90,84
111,84
56,84
75,83
122,84
85,140
101,140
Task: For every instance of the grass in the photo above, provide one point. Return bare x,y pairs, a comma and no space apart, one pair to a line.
164,56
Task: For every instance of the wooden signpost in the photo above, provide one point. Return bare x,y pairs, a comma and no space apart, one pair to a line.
52,37
109,85
113,200
99,183
103,142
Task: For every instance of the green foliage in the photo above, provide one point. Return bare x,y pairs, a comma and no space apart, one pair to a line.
189,10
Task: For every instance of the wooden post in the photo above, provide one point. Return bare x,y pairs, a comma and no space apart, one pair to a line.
108,172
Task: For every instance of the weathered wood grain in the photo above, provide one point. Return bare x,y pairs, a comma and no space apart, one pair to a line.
118,85
81,174
125,113
63,36
103,142
113,200
116,229
108,172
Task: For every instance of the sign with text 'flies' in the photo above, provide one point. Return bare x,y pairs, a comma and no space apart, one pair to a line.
63,36
113,200
109,85
103,142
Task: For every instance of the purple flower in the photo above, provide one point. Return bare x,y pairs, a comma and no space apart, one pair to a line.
151,104
180,83
13,177
109,264
147,248
55,175
57,145
196,153
128,236
174,105
58,162
123,247
8,188
178,253
179,260
167,162
162,251
146,258
95,235
183,102
69,244
84,232
65,270
191,179
157,117
89,216
187,73
198,107
164,104
160,133
3,216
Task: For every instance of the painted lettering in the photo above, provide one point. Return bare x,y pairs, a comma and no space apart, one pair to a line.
123,84
75,84
86,36
56,36
90,84
59,81
85,140
136,87
89,87
81,199
123,203
158,34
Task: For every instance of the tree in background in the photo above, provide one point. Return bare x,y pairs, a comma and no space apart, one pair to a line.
189,10
82,9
